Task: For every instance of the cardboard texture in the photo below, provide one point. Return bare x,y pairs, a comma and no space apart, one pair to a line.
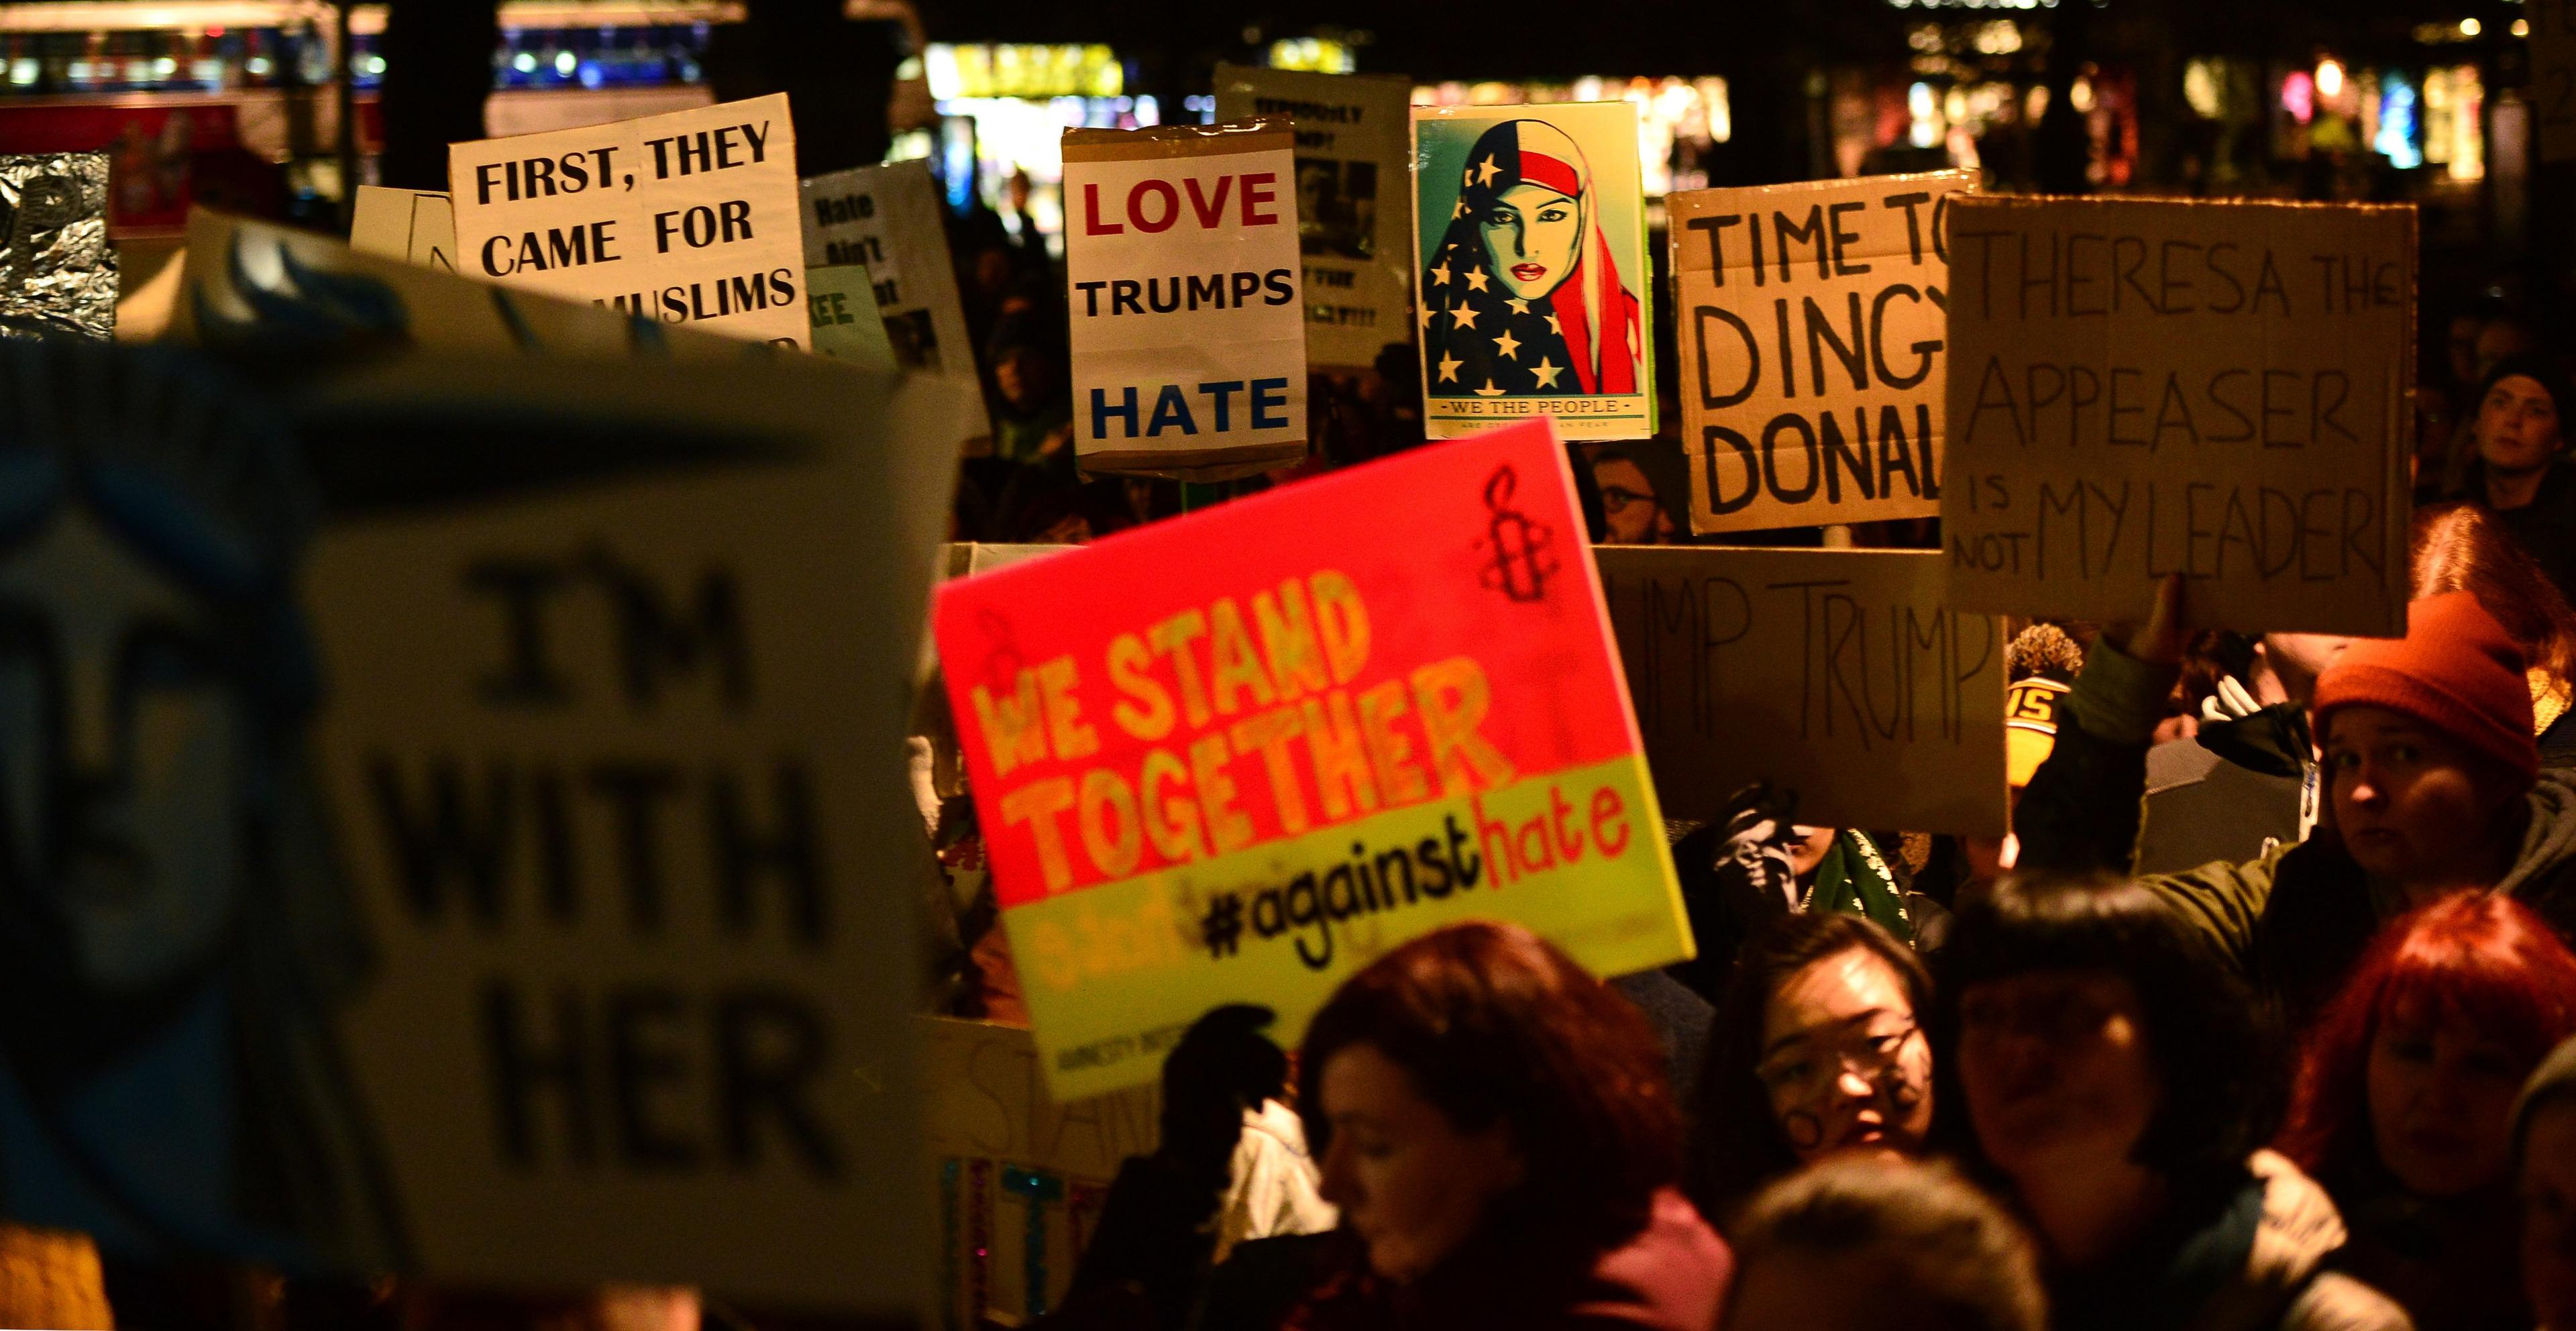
414,225
1189,344
2553,76
2140,388
889,219
1352,184
1811,334
690,217
1834,673
1535,293
1022,1179
1236,756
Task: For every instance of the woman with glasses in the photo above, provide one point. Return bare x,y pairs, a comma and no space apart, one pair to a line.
1816,1051
2106,1058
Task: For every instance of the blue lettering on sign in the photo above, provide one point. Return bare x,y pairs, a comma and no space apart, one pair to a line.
1174,413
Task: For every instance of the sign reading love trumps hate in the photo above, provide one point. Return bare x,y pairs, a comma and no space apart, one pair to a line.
1810,342
689,217
1189,346
1237,756
2142,388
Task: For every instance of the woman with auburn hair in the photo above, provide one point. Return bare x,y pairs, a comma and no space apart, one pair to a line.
2404,1101
1495,1125
2461,547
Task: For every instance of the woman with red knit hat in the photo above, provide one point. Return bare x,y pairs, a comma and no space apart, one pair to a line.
2432,785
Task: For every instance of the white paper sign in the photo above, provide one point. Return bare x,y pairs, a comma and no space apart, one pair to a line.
887,217
686,218
1353,176
1189,341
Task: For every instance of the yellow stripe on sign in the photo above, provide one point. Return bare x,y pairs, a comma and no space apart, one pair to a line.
1115,973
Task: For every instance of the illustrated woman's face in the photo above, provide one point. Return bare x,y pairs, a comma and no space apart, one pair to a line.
1532,234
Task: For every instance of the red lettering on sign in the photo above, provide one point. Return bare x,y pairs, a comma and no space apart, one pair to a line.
1091,223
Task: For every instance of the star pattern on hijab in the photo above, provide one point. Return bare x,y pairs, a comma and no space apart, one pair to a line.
1522,341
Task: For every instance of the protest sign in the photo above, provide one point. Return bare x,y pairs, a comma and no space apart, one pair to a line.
253,285
1535,293
2141,388
414,225
841,304
1834,673
58,274
689,217
1022,1179
888,218
511,885
1189,352
2553,76
1810,337
1351,189
1235,756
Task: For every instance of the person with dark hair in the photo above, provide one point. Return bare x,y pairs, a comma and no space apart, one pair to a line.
1754,863
2431,783
2544,1153
1865,1245
2107,1063
2520,473
1818,1050
1494,1124
2405,1095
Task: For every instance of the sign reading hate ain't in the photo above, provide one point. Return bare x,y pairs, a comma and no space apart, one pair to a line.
1810,342
689,217
1237,756
2143,388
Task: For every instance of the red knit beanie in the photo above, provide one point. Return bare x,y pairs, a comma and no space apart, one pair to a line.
2455,670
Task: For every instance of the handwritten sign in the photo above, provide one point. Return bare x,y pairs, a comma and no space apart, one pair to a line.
1834,673
689,217
2553,76
414,225
888,218
1189,354
2142,388
1536,298
1811,332
841,304
1351,184
1235,756
1022,1179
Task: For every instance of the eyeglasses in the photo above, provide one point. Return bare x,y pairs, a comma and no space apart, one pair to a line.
1807,1071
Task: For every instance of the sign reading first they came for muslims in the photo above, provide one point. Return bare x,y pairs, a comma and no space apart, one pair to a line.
1237,756
689,217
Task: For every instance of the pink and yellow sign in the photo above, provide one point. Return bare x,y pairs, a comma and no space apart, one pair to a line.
1236,756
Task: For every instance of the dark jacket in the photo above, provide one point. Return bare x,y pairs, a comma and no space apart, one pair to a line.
1670,1276
2292,921
2229,793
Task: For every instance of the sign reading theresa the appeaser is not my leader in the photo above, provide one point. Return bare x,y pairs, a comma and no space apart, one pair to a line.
689,217
1189,344
1811,334
1235,757
2143,388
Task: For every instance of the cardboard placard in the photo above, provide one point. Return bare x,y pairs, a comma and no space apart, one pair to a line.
2553,76
888,218
689,217
414,225
1835,673
1189,349
1536,297
2140,388
512,880
1235,756
1352,183
841,304
1022,1179
1810,330
252,283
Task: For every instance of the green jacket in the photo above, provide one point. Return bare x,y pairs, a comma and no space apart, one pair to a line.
2293,921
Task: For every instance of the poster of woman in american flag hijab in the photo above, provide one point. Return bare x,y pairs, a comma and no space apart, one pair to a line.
1534,285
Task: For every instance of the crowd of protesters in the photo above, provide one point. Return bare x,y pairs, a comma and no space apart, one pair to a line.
2264,1015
